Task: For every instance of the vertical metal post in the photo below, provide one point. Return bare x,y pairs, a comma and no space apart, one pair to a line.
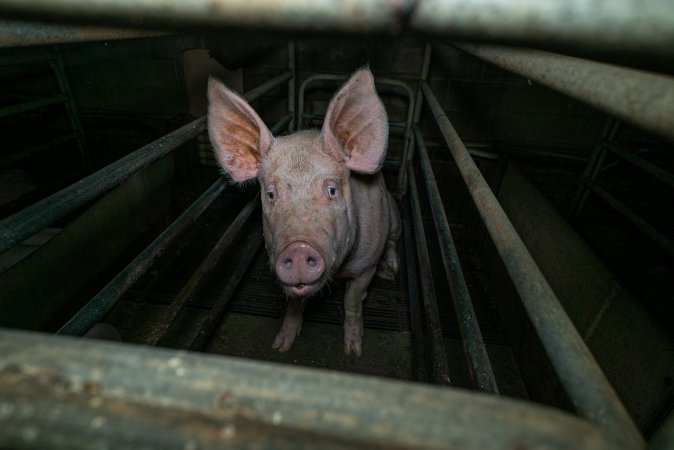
581,376
420,356
292,66
71,108
476,352
439,365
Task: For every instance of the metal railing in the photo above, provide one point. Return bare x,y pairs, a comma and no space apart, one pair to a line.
581,376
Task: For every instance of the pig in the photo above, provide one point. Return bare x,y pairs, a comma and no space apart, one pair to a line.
325,209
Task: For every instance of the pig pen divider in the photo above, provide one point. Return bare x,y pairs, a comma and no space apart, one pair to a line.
580,374
97,307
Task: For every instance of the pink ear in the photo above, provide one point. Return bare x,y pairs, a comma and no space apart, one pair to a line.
238,135
356,127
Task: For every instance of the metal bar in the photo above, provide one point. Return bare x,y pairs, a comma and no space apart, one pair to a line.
402,125
29,221
644,227
98,306
581,376
420,357
31,105
476,352
642,98
651,169
292,66
35,149
201,274
22,33
621,26
71,108
438,353
248,253
262,89
78,393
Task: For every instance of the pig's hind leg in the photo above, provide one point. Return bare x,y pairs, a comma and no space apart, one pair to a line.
388,266
292,324
356,291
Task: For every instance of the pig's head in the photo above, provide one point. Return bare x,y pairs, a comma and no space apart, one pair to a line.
308,219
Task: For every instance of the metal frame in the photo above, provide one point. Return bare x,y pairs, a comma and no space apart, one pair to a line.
581,376
623,26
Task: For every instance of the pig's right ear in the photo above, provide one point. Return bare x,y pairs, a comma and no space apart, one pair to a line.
238,135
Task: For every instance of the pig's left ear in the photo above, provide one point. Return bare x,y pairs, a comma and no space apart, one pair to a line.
356,127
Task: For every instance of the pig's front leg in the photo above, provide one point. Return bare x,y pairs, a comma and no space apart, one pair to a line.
292,324
356,291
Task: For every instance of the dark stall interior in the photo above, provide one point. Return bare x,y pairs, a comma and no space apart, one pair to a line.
589,192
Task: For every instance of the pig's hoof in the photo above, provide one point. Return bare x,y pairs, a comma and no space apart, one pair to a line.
285,338
353,341
388,266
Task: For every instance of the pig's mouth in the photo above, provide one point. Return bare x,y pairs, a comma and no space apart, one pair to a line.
303,289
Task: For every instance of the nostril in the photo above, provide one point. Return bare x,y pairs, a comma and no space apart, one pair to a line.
311,261
288,263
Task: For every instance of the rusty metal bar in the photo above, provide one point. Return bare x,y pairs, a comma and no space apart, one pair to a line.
200,274
15,33
476,352
438,353
98,306
644,227
59,392
252,245
420,356
581,376
620,26
642,98
651,169
29,221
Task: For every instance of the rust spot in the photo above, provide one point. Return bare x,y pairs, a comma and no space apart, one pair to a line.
92,388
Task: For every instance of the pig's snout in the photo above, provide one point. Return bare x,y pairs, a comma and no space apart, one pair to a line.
298,265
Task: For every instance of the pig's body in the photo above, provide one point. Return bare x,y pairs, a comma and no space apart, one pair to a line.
326,211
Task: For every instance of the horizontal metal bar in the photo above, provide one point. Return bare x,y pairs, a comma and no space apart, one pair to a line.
476,352
619,26
644,227
322,116
15,33
29,221
248,252
24,153
642,98
581,376
31,105
200,275
59,392
98,306
438,353
642,164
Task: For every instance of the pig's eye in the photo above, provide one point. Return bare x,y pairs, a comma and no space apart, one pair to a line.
332,191
271,195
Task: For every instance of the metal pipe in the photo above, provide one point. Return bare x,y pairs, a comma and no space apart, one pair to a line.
15,33
77,393
581,376
292,98
642,98
31,105
621,26
248,252
651,169
644,227
420,357
29,221
438,354
200,275
476,352
98,306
